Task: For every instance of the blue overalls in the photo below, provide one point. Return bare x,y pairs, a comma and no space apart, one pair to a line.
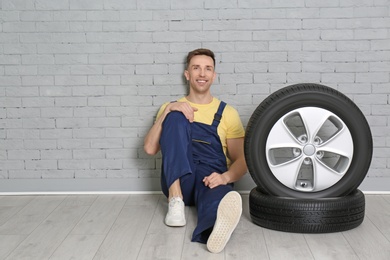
190,152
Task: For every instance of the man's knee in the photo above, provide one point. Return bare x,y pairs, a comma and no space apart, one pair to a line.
176,118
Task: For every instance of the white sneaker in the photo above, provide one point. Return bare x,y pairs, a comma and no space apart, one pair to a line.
175,216
228,216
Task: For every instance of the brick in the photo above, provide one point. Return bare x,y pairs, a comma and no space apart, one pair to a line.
120,4
86,26
109,164
338,77
271,56
12,164
104,101
235,36
103,15
18,5
151,69
56,154
119,26
9,59
198,15
293,78
104,122
105,80
23,112
185,25
234,14
56,112
292,3
107,143
284,67
138,15
372,77
71,122
338,56
86,4
21,70
304,56
38,123
37,59
56,134
380,44
270,78
37,80
277,24
285,45
19,48
52,26
38,102
70,80
66,15
73,164
39,144
53,91
23,134
89,154
318,24
371,34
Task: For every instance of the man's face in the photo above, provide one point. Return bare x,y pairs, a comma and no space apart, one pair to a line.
200,73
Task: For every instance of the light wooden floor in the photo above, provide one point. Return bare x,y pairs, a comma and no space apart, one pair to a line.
131,227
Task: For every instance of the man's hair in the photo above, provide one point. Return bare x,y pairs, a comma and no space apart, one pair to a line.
196,52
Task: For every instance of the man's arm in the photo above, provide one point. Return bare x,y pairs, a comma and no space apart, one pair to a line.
152,139
238,168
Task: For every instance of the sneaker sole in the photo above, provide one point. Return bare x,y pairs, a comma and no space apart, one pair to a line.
175,224
228,216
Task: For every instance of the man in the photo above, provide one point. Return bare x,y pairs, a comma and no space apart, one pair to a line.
201,141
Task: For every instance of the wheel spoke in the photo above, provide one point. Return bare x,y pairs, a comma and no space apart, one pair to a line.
287,173
313,119
324,177
281,137
341,144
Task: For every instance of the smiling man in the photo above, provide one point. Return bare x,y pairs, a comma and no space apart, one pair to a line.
201,140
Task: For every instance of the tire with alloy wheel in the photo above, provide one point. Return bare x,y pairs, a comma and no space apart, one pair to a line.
308,141
305,215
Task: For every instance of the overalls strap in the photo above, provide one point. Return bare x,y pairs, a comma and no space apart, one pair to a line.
218,115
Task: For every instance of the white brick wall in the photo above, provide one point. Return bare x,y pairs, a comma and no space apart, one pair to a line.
80,81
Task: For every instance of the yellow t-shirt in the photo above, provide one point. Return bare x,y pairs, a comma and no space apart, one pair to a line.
230,126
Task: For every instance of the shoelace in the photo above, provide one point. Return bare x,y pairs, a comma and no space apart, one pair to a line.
174,205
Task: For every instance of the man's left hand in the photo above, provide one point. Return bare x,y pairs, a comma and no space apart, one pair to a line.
214,180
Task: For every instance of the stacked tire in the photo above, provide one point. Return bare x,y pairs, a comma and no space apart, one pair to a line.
308,147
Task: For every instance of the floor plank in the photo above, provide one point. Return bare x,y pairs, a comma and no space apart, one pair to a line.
101,215
330,247
282,245
378,211
44,240
81,247
162,246
8,243
368,242
30,216
127,234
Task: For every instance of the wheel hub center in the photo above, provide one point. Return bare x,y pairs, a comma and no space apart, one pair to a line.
309,150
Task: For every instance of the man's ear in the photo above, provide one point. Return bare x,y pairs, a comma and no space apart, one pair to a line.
186,74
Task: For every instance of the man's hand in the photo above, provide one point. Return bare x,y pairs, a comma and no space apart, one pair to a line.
214,180
184,107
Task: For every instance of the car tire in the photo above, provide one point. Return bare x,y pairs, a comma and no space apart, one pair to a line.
308,141
305,215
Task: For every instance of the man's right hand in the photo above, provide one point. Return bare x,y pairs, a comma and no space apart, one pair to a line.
184,107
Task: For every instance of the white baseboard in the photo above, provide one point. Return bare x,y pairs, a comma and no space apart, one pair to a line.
135,186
